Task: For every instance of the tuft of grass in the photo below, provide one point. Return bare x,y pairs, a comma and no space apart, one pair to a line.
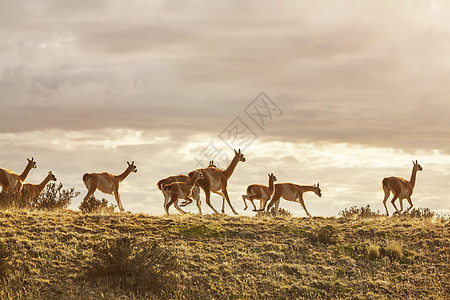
393,251
93,205
373,252
143,267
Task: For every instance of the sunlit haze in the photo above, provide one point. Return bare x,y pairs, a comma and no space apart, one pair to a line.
354,91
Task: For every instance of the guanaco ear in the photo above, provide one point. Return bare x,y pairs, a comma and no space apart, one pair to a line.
49,172
417,162
317,184
239,150
132,162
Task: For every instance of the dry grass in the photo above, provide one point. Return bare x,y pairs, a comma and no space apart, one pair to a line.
5,260
373,252
223,257
393,251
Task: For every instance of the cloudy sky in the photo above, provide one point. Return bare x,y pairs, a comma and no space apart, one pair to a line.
353,91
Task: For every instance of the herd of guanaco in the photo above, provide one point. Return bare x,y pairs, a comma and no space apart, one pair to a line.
209,179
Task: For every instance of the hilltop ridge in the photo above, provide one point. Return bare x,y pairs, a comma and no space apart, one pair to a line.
223,257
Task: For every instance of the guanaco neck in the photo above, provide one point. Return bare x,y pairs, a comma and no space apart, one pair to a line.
124,175
26,172
271,184
230,169
193,180
307,188
44,182
412,181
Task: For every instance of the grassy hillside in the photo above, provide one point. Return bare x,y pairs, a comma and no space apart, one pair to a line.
222,257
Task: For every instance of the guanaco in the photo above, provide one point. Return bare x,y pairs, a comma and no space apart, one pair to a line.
259,192
181,190
293,192
34,190
401,188
107,183
216,180
10,181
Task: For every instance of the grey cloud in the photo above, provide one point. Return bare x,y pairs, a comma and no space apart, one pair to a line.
339,73
75,77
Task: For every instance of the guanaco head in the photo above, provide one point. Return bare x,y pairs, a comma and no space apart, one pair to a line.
417,166
273,177
211,164
239,155
317,190
32,163
132,166
197,174
52,176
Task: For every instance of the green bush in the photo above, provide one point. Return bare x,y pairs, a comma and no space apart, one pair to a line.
143,267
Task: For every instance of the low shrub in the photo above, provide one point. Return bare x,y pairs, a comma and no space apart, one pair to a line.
363,212
423,213
14,200
93,205
55,197
143,267
281,212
